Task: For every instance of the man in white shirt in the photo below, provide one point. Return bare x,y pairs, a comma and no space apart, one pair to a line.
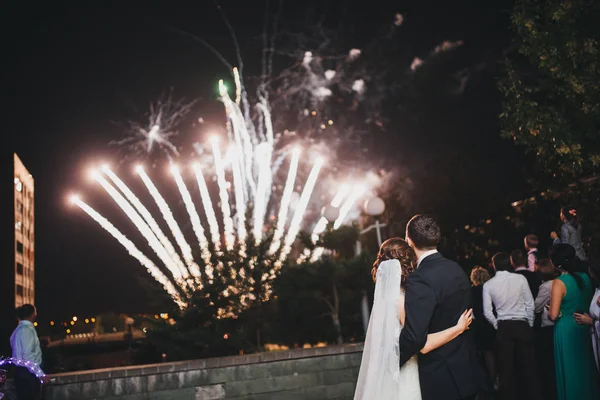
26,347
510,295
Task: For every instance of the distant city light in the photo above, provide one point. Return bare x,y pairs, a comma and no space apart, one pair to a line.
75,319
51,323
93,319
72,322
87,321
68,331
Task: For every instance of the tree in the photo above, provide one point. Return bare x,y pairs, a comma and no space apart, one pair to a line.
330,288
320,301
552,86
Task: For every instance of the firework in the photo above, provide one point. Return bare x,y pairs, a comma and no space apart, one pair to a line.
245,179
131,248
157,133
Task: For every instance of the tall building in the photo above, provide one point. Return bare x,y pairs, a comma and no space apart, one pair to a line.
17,269
24,266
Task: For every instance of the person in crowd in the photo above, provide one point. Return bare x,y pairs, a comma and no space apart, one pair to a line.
570,231
26,346
484,333
531,245
592,319
518,262
510,295
545,335
576,375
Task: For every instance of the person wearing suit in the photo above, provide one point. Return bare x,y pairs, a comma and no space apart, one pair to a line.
518,260
437,293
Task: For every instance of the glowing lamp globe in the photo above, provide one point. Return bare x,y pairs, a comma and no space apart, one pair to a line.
374,206
331,213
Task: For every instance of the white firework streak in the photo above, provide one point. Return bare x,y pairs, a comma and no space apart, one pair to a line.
240,204
242,136
348,204
156,273
296,223
268,122
322,225
238,85
140,225
186,250
336,202
194,217
208,208
263,158
148,218
224,196
286,198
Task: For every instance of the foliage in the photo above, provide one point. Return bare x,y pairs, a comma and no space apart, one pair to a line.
299,309
320,302
196,332
552,88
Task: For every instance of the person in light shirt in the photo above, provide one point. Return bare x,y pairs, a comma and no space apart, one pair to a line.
531,244
509,293
26,347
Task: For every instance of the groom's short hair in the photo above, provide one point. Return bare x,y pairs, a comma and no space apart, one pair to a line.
423,231
501,262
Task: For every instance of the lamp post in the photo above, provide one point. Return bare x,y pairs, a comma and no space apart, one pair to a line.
373,207
331,213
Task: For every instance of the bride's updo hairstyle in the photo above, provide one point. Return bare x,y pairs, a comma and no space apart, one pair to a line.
396,249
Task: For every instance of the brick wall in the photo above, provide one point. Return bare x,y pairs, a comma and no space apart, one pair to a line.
318,373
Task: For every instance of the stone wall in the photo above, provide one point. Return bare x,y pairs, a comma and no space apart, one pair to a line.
318,373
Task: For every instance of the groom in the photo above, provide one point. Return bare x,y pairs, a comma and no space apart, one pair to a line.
436,295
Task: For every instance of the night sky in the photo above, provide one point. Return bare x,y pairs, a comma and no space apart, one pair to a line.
78,69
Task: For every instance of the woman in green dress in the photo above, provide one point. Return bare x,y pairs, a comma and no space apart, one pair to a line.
576,375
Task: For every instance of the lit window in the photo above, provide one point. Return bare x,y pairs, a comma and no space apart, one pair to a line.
19,226
18,185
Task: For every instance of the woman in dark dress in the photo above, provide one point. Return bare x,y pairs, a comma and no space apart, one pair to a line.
484,333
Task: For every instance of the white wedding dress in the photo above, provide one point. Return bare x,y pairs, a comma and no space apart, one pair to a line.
380,377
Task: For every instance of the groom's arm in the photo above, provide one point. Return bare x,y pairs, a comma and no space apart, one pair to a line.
419,306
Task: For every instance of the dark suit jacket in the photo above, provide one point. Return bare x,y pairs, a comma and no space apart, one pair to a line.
533,280
437,293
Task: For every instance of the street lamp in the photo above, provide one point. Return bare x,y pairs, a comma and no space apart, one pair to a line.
331,213
373,207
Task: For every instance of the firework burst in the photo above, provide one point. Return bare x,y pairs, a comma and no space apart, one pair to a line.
253,206
157,132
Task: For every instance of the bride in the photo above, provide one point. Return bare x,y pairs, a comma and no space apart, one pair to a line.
380,376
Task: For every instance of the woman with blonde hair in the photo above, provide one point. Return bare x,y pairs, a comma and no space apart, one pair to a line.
483,331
